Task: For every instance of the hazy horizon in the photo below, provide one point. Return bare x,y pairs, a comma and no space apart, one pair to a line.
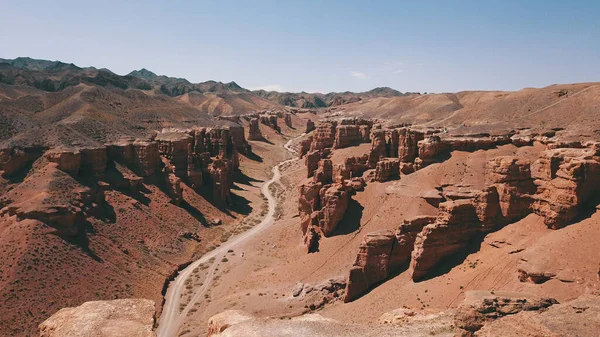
319,47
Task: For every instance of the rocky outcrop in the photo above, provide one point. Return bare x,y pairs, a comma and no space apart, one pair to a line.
579,317
378,144
408,141
68,161
172,183
270,121
455,225
312,162
13,160
347,135
141,156
352,167
304,146
254,130
324,172
382,253
310,125
176,147
566,179
221,178
125,317
482,307
334,202
321,208
221,321
93,161
238,138
387,169
511,176
372,264
288,120
406,235
323,137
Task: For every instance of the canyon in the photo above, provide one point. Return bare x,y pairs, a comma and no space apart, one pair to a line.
354,214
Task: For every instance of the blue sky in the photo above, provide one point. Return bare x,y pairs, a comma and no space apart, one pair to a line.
433,46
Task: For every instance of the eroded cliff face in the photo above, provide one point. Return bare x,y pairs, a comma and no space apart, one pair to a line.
557,185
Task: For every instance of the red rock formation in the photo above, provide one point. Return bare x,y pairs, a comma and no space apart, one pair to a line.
371,265
308,202
347,135
146,158
334,202
238,138
406,235
54,197
270,121
321,208
288,119
387,169
392,143
93,161
254,133
512,178
13,160
312,162
323,137
176,147
429,150
365,133
455,225
352,167
378,144
68,161
310,125
566,179
304,146
324,173
142,156
408,141
221,176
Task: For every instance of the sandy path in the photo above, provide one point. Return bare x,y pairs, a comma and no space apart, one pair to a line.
171,319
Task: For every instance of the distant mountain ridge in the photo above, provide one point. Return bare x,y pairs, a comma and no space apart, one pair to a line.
55,76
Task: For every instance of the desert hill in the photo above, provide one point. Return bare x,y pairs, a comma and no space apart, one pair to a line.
317,100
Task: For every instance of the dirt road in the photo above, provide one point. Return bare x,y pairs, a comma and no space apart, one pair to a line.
171,318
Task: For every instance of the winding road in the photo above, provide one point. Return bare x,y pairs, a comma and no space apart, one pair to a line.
171,319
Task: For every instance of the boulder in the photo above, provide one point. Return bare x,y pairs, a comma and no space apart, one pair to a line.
115,318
